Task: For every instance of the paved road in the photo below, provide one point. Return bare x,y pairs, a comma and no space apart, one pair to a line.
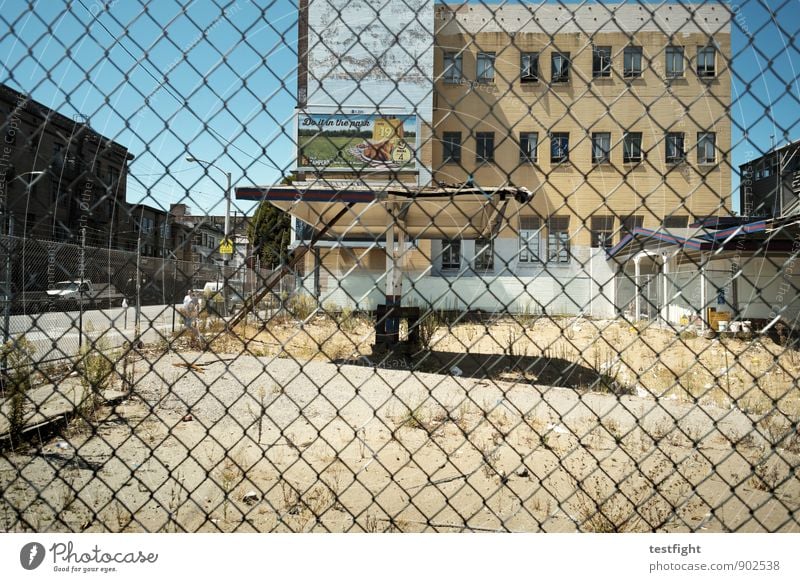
57,334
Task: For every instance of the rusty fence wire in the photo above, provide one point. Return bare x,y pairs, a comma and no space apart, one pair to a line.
346,267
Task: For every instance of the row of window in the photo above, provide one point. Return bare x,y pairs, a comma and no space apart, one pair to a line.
552,246
633,64
632,147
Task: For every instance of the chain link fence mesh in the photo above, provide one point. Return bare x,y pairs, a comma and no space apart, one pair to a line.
492,267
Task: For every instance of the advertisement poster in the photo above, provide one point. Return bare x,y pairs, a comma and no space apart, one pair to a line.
343,142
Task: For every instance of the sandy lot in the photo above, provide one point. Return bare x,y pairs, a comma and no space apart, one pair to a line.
285,440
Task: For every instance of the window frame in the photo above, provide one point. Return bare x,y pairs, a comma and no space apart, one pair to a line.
604,69
482,139
451,248
533,63
559,135
629,139
451,150
627,224
602,231
483,255
526,153
456,65
634,53
486,61
702,68
558,247
606,158
702,138
530,232
670,142
674,51
563,76
683,220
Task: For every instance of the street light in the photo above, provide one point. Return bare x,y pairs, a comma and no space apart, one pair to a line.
227,199
227,241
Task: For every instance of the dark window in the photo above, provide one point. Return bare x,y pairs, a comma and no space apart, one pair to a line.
601,146
484,149
529,67
602,231
530,230
485,68
601,61
628,224
452,68
560,65
632,66
674,55
451,255
484,254
559,148
632,148
558,239
528,145
706,62
706,148
451,146
674,148
676,221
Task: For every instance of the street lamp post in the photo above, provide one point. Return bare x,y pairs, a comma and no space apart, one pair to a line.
227,240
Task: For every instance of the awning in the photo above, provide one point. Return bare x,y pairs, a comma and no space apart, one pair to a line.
428,213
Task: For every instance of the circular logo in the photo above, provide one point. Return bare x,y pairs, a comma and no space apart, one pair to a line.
31,555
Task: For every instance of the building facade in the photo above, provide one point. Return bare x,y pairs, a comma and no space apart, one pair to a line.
615,116
769,185
60,180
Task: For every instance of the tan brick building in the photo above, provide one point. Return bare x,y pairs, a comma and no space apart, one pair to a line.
615,116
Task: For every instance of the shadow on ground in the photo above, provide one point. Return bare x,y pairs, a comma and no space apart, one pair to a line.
527,369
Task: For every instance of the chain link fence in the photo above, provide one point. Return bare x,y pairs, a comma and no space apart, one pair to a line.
490,267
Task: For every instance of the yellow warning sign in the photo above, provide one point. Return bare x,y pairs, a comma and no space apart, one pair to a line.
226,247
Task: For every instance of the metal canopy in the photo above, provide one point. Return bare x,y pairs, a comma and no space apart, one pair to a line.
430,213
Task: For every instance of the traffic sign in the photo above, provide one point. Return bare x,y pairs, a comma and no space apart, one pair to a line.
226,247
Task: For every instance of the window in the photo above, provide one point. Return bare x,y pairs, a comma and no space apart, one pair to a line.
675,150
484,254
601,146
451,146
528,144
633,62
632,148
706,62
706,148
559,148
629,223
602,231
601,61
529,67
530,228
452,68
558,239
676,221
451,255
484,148
674,62
485,72
560,66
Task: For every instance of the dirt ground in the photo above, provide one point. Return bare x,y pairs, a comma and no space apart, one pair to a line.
539,427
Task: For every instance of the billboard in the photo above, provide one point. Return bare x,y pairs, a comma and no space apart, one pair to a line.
347,142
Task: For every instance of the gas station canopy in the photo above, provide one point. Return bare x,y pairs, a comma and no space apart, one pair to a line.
464,212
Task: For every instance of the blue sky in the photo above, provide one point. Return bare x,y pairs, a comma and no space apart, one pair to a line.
219,82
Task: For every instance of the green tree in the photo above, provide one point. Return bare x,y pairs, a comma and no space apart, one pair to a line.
269,234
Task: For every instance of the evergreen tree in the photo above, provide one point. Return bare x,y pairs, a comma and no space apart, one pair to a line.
269,234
